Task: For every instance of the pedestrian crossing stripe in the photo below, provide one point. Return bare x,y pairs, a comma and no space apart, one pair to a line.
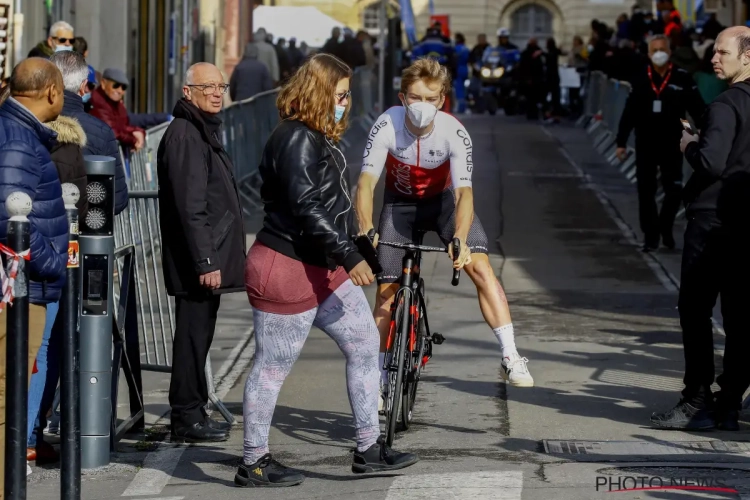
495,485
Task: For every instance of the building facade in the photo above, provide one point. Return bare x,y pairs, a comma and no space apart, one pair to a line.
561,19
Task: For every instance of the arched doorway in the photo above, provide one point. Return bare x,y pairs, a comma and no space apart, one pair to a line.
530,20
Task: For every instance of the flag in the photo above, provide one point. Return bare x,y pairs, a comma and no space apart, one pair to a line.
432,7
407,18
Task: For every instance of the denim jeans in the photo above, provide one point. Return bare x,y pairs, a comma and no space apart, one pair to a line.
44,382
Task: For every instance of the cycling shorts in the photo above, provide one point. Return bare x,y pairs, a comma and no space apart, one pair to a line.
407,220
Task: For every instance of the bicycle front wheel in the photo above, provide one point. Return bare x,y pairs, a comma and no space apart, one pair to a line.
414,369
396,377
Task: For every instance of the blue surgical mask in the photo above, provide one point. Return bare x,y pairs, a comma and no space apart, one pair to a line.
339,113
63,48
86,97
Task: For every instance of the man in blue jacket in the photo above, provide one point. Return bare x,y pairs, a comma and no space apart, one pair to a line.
100,139
462,72
36,97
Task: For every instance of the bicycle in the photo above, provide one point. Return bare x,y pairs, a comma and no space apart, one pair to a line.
409,344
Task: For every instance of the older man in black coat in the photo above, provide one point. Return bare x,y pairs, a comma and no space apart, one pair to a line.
203,243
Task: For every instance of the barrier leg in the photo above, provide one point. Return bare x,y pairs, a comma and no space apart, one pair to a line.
212,393
17,352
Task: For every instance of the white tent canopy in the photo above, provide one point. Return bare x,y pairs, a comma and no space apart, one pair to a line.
306,24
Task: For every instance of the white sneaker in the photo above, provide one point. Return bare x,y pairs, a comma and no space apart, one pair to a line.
516,372
28,470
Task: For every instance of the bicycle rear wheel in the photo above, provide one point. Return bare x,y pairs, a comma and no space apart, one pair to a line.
414,369
396,378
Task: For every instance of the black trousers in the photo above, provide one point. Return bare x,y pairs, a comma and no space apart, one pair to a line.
715,263
194,332
648,161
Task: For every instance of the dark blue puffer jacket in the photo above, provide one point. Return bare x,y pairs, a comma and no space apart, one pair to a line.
25,165
100,140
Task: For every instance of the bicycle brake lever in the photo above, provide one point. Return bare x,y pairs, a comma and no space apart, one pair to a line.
456,251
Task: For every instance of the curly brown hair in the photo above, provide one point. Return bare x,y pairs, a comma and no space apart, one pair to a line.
309,95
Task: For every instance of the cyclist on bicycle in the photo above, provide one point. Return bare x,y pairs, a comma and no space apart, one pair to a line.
427,156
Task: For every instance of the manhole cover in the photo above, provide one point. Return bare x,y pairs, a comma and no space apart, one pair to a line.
625,448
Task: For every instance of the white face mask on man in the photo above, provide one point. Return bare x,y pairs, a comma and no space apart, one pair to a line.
659,58
421,114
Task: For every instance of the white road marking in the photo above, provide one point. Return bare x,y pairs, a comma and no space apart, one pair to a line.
156,472
163,498
495,485
160,464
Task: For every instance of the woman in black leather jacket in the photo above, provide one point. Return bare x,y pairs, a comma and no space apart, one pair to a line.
303,269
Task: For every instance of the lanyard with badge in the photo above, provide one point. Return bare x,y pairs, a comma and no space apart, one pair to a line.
657,101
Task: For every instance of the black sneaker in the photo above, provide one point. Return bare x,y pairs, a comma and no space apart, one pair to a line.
684,416
379,457
728,420
266,472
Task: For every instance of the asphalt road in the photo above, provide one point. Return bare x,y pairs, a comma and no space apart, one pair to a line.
594,316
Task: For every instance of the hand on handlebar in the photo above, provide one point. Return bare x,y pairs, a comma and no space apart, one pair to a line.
464,256
373,236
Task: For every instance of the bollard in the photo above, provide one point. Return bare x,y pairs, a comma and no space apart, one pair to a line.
18,206
70,421
97,245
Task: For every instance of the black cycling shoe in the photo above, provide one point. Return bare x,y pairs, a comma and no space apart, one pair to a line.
379,457
684,416
728,420
266,472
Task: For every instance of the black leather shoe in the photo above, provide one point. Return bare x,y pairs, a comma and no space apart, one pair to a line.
727,420
219,425
198,433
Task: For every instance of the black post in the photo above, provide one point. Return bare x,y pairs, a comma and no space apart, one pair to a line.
17,352
70,419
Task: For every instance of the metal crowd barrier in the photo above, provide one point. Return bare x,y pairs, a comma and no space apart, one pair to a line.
605,100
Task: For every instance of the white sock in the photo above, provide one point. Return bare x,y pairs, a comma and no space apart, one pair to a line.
383,373
506,338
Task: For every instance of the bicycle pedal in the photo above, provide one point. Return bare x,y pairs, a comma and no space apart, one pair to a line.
437,338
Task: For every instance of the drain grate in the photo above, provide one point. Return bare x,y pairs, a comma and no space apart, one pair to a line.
645,447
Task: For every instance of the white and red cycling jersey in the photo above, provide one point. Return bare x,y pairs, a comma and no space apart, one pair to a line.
419,167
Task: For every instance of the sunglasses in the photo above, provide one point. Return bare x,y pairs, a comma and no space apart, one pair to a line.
65,40
123,86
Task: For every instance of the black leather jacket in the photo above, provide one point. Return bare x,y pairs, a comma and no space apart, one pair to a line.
306,198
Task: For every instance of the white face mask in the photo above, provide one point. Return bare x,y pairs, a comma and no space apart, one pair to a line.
660,58
63,48
421,114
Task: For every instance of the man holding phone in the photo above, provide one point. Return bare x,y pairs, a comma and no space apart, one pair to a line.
662,95
715,257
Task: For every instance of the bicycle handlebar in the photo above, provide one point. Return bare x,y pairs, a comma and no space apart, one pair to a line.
456,243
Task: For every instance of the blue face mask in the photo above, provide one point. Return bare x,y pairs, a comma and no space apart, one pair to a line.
339,113
86,97
63,48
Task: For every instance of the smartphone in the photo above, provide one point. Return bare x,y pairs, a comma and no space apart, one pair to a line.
687,127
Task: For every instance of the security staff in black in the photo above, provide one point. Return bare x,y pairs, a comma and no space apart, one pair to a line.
715,261
662,94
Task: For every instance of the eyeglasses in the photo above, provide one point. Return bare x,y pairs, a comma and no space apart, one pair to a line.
211,89
123,86
344,95
65,40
